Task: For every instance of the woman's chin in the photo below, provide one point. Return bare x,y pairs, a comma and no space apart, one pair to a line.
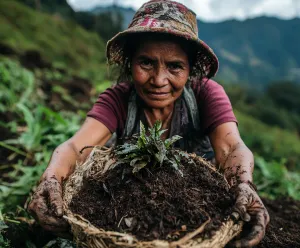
158,103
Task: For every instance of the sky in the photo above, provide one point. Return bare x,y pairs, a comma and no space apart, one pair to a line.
214,10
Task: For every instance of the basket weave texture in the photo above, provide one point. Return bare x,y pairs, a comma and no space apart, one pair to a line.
85,234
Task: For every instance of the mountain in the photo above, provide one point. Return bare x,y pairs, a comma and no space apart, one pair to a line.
127,13
91,21
59,7
254,51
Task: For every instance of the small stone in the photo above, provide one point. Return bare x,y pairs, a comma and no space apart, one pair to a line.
128,221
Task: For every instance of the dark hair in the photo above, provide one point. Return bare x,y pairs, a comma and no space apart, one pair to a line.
133,42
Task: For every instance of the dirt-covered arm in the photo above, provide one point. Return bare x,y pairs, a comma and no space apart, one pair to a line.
64,157
232,156
46,204
237,163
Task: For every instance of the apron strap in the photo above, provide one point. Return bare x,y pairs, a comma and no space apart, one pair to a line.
191,103
132,115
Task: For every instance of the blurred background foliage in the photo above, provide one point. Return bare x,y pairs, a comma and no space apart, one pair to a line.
53,66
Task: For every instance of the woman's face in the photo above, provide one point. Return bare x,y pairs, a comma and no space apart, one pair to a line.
160,70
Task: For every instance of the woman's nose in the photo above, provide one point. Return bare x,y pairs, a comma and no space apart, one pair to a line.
160,77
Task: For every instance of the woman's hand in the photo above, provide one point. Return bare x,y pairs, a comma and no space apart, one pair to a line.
250,208
46,205
236,161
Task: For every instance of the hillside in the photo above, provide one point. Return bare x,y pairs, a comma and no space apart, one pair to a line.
58,7
61,42
254,51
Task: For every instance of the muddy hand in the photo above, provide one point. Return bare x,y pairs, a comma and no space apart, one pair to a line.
46,205
250,208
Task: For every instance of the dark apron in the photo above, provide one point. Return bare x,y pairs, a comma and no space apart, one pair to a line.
185,122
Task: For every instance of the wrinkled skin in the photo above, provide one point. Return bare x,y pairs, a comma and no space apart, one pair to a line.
46,206
236,161
250,208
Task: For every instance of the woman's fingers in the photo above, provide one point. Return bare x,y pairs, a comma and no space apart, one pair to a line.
240,208
46,206
256,233
251,209
46,220
55,197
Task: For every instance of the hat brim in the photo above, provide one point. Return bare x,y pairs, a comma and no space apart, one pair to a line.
205,56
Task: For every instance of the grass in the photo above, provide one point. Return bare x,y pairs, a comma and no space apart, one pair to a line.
274,180
272,143
61,42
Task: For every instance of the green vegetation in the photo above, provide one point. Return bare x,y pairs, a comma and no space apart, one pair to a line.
17,85
63,43
273,179
60,7
270,142
150,149
33,133
277,105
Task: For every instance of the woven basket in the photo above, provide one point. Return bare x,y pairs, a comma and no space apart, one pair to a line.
87,235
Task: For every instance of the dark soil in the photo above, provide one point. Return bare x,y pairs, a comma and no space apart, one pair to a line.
284,227
160,204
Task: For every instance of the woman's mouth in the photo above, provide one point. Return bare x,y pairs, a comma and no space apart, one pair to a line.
158,94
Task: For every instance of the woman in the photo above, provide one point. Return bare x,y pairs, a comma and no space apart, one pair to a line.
165,76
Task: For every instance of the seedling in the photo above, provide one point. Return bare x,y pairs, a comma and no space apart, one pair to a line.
150,149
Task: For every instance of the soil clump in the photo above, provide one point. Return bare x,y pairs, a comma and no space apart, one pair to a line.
156,204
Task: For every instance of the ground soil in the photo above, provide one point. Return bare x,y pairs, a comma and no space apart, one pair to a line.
284,227
160,204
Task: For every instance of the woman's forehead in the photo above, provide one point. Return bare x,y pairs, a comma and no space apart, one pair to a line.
160,47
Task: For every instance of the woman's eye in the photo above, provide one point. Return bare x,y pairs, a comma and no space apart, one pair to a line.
175,67
146,64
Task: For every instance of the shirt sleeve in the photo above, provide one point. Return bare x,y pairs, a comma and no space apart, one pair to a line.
214,105
111,107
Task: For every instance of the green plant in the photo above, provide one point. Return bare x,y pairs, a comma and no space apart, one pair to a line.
4,243
60,42
16,85
149,149
272,143
274,180
44,128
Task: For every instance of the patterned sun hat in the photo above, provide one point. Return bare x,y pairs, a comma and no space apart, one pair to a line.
164,16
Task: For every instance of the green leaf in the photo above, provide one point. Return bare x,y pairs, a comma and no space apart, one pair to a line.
133,161
157,125
161,154
2,225
174,164
170,141
138,166
126,149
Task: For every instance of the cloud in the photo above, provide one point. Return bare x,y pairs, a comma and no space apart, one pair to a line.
215,10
